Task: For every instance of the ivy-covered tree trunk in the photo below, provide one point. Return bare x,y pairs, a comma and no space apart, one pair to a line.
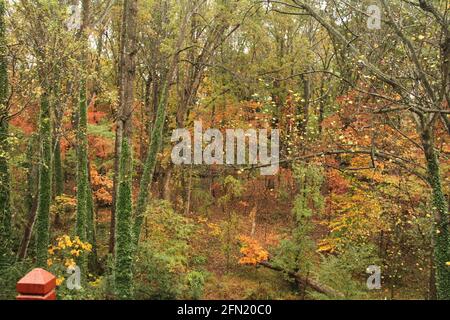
123,210
127,75
82,157
31,199
441,240
90,225
150,164
124,246
59,176
82,165
45,180
5,209
58,112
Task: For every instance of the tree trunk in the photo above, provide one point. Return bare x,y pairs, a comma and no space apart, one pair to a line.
82,175
31,198
441,219
91,225
58,176
305,281
45,180
123,234
5,209
127,73
124,247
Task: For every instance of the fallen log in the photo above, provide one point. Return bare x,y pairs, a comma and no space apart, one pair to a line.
304,281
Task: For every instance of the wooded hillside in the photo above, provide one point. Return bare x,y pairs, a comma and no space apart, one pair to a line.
91,95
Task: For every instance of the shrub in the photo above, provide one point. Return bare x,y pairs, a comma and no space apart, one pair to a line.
163,264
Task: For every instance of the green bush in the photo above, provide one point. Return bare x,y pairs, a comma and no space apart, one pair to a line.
163,267
346,272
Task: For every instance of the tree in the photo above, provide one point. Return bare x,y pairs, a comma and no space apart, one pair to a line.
45,177
82,155
157,134
124,204
127,74
123,274
5,206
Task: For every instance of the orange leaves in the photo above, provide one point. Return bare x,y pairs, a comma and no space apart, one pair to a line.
103,147
252,252
24,123
337,183
100,180
94,117
103,196
102,186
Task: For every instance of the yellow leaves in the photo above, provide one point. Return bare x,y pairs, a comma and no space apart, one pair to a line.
210,228
70,263
65,242
66,250
61,245
202,219
356,217
59,281
252,252
328,245
96,282
75,252
214,229
447,263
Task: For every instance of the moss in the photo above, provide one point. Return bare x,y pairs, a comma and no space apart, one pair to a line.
124,246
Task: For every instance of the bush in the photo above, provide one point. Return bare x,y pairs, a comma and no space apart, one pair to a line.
163,264
346,271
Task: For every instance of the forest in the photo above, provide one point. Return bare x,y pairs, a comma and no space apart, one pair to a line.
226,149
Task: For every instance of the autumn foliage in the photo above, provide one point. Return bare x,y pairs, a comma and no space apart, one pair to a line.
252,252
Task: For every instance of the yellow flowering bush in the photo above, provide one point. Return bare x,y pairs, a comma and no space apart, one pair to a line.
64,254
